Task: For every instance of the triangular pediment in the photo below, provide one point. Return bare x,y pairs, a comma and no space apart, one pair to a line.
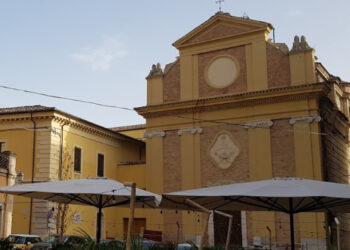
219,26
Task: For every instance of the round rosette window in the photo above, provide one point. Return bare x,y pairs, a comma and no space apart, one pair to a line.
222,71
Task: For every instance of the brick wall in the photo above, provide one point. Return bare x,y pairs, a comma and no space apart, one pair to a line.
172,180
211,175
171,84
336,164
278,69
282,149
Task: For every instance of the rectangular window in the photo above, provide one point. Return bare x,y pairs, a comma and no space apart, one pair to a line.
100,165
77,159
2,146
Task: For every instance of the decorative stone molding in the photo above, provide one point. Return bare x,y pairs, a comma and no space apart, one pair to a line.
300,45
246,99
308,119
223,151
258,124
189,131
155,71
151,134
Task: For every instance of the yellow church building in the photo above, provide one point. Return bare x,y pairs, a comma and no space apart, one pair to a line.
236,106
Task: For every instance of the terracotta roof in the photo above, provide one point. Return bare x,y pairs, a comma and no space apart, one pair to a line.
26,109
130,127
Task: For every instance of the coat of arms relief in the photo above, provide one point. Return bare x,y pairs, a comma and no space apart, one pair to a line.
223,150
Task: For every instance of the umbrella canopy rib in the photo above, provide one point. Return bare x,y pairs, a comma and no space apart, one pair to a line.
90,197
75,197
325,205
296,207
219,206
144,200
209,203
273,205
253,204
120,203
107,200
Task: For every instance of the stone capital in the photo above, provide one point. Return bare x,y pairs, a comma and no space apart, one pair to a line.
189,131
307,119
258,124
150,134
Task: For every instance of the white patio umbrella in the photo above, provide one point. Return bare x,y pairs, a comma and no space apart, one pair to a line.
288,195
97,192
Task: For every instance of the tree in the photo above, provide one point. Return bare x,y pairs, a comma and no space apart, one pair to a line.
65,212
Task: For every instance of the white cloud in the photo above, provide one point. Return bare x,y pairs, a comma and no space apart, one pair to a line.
100,57
294,13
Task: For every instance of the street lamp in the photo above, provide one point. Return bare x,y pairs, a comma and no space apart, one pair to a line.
19,177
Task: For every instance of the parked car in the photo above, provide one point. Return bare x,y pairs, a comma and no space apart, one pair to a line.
23,241
68,240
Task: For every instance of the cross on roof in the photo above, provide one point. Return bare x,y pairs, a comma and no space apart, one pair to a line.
219,2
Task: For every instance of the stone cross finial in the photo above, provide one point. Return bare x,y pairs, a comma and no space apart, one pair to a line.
220,4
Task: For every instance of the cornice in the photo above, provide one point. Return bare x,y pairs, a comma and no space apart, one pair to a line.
11,118
72,122
221,17
274,95
89,129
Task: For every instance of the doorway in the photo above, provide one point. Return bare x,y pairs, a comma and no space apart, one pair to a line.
221,226
138,226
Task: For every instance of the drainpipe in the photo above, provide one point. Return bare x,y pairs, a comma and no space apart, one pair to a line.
61,152
60,167
33,166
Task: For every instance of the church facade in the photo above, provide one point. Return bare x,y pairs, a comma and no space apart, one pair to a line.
234,107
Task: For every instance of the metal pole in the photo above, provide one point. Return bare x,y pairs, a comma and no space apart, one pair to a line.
270,237
205,231
291,224
99,220
338,232
132,211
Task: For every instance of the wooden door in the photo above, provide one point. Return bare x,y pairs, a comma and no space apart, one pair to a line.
221,226
138,227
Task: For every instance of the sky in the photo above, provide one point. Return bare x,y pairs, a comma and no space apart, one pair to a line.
102,50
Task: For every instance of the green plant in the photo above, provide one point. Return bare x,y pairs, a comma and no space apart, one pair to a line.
5,245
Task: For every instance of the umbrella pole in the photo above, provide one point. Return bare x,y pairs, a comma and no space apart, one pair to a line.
132,211
99,221
192,203
291,224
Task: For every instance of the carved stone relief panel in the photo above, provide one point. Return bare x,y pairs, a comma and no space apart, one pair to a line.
223,151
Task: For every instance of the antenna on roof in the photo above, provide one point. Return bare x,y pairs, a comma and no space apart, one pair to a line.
245,16
220,2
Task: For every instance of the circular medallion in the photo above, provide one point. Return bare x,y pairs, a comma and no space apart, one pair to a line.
222,71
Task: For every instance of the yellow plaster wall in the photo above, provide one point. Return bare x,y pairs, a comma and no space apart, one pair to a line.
154,178
155,90
19,140
114,153
302,66
135,133
132,173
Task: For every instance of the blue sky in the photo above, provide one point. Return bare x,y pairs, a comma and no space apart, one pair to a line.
103,50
